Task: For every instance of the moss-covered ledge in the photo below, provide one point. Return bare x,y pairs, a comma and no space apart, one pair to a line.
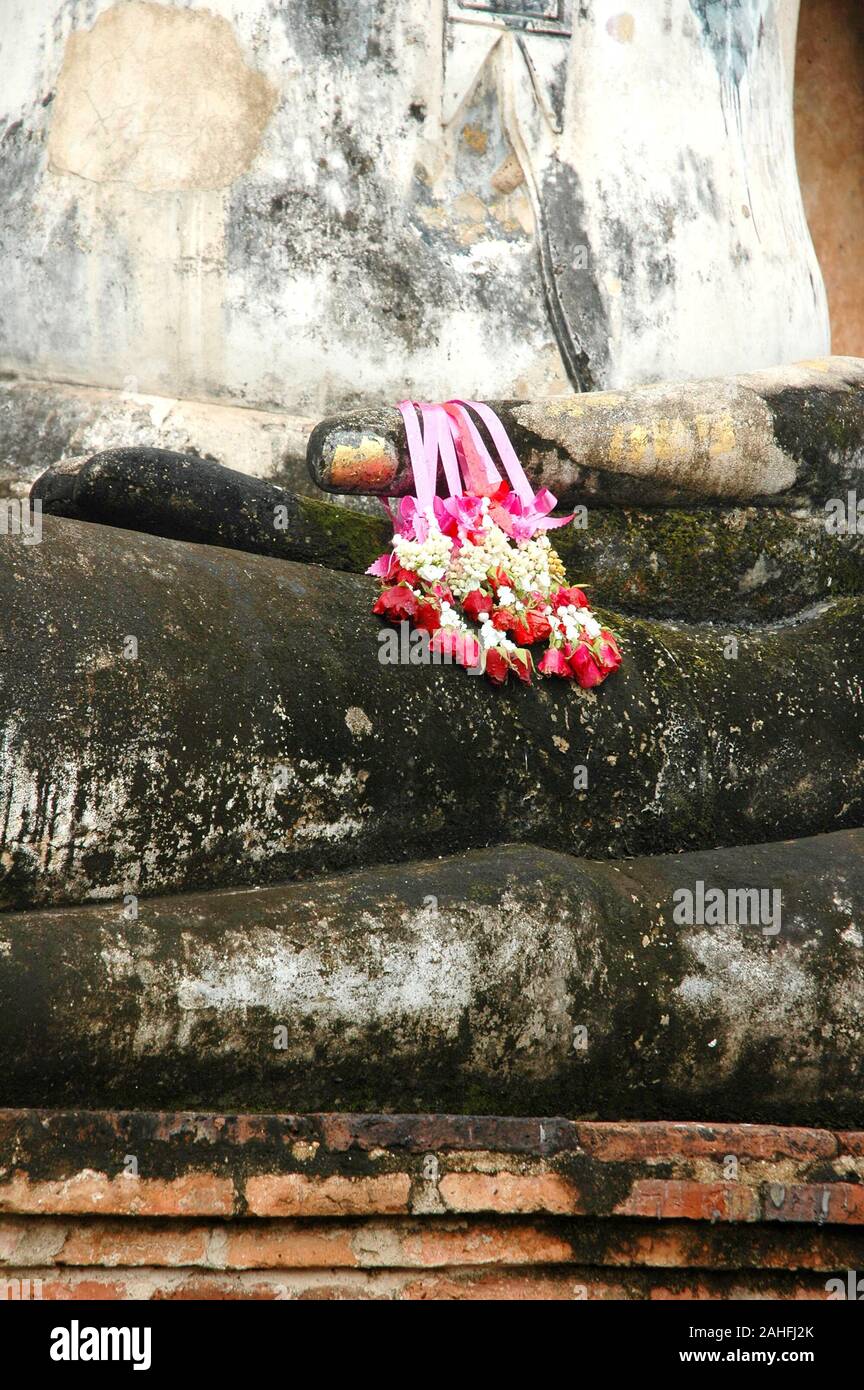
179,716
747,564
740,564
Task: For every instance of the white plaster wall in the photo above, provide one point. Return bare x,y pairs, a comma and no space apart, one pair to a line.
311,205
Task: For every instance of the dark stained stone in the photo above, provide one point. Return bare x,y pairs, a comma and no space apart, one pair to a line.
176,717
193,499
512,981
710,563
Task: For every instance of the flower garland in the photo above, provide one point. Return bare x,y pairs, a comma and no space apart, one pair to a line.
476,570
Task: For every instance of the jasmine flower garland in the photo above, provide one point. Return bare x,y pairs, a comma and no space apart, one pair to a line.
477,571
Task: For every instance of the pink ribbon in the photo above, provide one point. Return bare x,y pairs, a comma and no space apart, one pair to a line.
450,433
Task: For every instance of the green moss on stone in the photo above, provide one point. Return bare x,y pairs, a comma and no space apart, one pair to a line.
342,539
746,564
753,564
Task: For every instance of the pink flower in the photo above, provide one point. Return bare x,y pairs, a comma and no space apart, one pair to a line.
447,522
585,667
554,663
522,520
470,652
383,565
410,521
458,646
462,518
387,567
396,603
610,654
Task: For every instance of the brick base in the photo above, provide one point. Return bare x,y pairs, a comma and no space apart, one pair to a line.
133,1205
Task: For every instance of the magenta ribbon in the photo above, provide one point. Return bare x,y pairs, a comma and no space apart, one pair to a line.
449,433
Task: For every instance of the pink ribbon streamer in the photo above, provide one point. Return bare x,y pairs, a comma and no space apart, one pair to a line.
450,433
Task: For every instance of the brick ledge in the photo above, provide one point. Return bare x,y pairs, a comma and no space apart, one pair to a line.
154,1205
188,1164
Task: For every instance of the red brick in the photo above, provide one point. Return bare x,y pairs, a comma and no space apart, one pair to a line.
680,1199
294,1194
227,1289
99,1289
484,1243
651,1140
35,1240
135,1243
194,1194
287,1246
509,1192
494,1286
537,1232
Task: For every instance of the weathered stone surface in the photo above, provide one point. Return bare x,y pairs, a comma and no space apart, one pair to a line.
42,422
721,564
496,981
789,434
421,165
170,60
762,562
176,717
192,499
